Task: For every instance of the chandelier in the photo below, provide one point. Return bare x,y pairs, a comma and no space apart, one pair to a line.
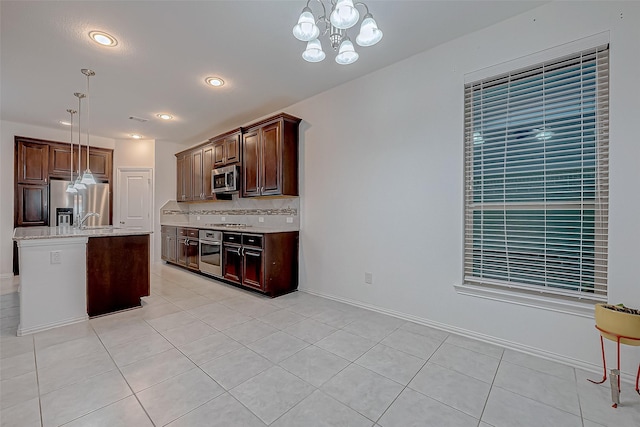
343,16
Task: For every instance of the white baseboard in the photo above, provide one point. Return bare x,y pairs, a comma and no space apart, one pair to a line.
40,328
533,351
6,275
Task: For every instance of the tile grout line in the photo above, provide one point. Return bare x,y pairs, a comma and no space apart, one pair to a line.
409,382
493,380
123,377
35,362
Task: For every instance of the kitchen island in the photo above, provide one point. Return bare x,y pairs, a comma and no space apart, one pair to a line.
69,274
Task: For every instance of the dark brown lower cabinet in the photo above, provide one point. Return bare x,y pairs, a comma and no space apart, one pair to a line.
232,263
252,268
117,273
32,205
264,262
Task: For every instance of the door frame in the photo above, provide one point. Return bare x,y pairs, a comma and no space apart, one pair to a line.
151,194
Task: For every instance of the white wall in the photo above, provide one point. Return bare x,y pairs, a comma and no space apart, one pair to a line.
382,190
131,153
7,132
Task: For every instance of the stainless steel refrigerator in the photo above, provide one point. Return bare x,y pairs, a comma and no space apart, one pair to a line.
65,208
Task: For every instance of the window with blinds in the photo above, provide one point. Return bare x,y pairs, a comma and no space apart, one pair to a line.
537,178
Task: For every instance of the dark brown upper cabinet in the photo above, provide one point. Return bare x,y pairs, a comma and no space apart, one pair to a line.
100,162
226,148
32,161
183,171
197,190
207,167
270,157
37,162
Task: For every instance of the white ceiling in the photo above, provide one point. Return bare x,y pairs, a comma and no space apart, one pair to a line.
167,48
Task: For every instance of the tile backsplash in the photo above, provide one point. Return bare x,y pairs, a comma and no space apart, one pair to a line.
281,212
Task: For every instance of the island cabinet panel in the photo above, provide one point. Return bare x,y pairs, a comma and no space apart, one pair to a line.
117,273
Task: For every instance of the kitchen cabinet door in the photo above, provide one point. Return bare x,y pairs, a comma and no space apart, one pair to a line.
182,249
219,154
197,191
168,244
232,263
207,167
60,163
100,162
32,163
32,205
172,246
251,164
192,254
271,160
183,183
252,268
232,148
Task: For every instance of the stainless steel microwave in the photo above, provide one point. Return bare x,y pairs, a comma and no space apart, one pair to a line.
226,179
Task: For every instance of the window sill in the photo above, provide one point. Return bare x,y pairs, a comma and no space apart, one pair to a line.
577,308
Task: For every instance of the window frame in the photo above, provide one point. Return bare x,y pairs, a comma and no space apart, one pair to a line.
576,302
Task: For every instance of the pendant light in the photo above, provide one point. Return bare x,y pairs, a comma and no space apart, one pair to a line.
87,177
70,187
78,185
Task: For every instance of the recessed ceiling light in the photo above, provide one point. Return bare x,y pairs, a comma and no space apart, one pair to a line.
64,123
135,136
165,116
214,81
103,39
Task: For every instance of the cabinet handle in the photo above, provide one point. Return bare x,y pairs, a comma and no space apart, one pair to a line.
239,251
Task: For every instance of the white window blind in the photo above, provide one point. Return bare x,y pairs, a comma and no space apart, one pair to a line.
537,178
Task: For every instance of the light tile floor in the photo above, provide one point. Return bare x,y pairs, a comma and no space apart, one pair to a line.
202,353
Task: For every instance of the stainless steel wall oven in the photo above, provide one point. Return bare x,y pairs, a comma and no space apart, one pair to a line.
210,254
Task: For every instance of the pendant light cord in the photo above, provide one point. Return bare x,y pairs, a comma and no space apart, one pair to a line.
88,117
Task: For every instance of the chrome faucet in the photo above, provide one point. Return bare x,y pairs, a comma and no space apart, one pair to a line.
88,215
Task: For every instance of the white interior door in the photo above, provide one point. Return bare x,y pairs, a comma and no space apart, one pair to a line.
135,199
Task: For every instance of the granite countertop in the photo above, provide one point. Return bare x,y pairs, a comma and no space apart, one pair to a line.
248,229
29,233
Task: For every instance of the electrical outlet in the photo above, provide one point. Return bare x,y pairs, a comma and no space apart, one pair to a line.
56,257
368,278
289,220
198,217
223,219
260,219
